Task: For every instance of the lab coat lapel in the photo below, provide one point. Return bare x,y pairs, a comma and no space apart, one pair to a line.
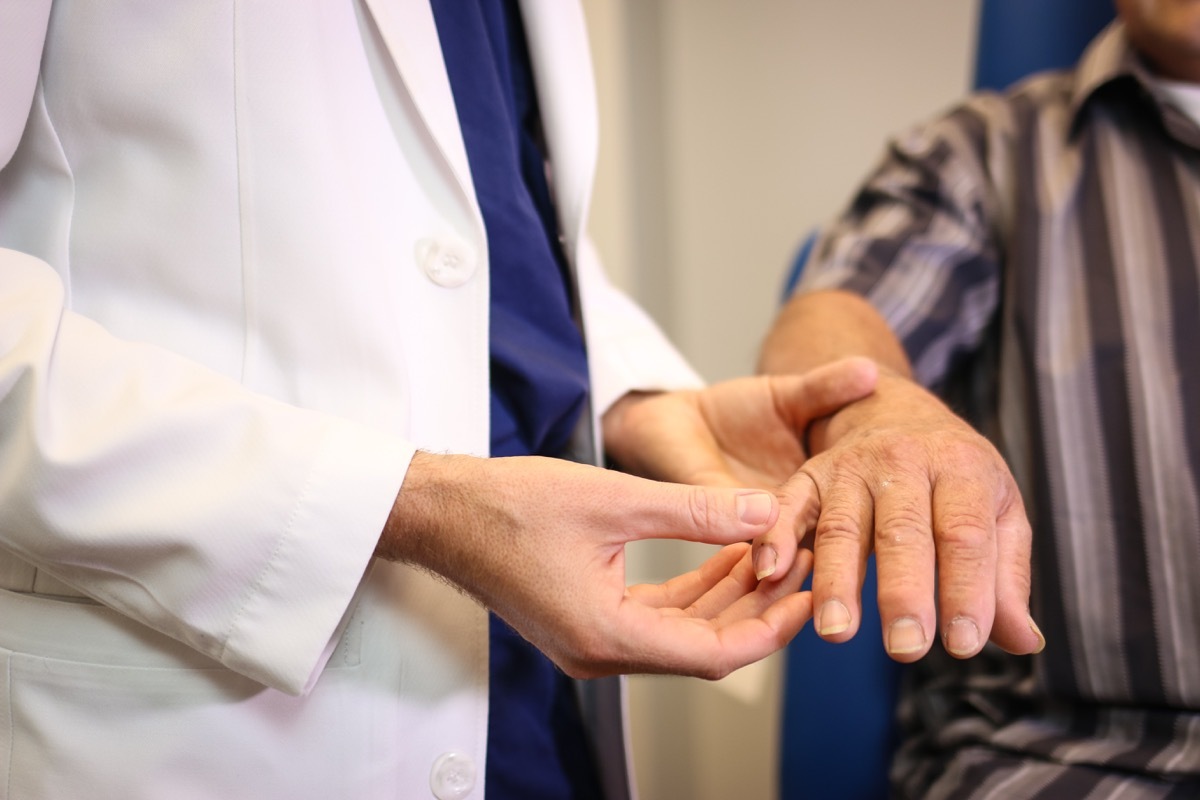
410,34
558,48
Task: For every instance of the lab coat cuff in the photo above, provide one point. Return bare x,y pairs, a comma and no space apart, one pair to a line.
289,626
633,363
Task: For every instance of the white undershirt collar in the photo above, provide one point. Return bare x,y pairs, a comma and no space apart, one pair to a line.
1182,95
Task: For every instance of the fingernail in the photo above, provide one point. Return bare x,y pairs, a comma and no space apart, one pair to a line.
905,635
1041,639
764,561
833,618
962,637
754,508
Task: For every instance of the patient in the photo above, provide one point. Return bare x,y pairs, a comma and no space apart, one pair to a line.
1034,258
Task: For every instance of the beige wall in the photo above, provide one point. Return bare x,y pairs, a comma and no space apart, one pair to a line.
730,128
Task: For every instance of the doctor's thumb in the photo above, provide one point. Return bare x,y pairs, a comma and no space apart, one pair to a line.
708,514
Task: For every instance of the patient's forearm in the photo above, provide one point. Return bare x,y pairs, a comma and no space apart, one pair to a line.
816,328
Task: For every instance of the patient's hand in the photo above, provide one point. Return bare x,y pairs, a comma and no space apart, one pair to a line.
899,474
741,432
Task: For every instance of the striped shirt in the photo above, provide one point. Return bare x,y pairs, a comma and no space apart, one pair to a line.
1037,253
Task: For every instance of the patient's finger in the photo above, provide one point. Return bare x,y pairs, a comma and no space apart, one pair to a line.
1014,629
841,544
799,504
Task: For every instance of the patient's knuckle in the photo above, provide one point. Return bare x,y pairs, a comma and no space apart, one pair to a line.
970,455
904,527
963,527
836,525
903,450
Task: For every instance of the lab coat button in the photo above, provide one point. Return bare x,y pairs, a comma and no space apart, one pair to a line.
447,262
453,776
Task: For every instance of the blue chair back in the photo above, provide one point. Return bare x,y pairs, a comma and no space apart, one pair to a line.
838,730
1019,37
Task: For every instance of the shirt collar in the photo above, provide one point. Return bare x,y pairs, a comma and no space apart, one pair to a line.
1111,63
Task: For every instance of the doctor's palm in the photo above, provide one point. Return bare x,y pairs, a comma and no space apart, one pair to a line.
542,543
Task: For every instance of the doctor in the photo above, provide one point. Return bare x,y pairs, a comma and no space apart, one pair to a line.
254,281
273,279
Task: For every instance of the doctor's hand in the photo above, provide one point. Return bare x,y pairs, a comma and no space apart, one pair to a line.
742,432
900,474
542,543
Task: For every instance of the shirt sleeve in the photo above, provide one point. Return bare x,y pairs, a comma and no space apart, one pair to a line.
920,242
237,524
626,350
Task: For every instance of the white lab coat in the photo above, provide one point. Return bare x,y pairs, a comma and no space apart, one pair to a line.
243,276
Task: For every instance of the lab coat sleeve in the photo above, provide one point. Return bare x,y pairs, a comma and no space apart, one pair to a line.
627,351
22,34
231,522
237,524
